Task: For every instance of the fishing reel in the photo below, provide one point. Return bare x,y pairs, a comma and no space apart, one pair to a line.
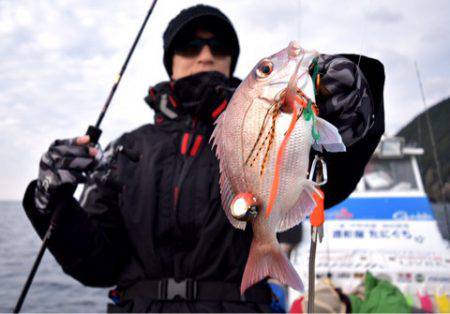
244,207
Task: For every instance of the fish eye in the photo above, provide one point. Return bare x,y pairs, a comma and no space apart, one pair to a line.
264,68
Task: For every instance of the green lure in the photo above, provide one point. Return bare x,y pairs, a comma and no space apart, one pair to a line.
308,114
314,132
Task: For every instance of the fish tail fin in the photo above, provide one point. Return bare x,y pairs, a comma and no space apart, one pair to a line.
268,260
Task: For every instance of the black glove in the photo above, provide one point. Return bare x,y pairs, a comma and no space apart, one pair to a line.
64,164
344,97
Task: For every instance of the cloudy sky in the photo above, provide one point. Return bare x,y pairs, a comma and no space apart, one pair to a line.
58,60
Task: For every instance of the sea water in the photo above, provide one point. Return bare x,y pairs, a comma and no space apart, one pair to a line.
52,290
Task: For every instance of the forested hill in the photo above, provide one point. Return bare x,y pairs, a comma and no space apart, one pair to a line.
416,133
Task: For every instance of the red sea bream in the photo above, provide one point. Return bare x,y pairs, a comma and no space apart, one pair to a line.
263,141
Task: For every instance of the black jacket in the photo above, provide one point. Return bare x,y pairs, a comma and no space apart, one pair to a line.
161,217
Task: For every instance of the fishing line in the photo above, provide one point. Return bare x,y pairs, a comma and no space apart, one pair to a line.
363,33
299,19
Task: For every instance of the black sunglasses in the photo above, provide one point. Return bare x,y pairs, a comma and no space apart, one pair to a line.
193,47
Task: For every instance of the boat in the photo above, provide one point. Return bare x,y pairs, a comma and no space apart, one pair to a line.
386,227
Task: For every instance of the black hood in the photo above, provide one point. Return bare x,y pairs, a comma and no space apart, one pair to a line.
201,97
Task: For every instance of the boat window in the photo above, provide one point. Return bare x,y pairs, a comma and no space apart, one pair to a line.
389,175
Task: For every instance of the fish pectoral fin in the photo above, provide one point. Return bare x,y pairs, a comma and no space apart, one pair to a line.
330,139
302,207
227,197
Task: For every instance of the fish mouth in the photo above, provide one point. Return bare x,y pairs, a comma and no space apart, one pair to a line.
279,101
284,84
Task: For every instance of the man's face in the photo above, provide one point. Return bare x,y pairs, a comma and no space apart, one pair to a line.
205,60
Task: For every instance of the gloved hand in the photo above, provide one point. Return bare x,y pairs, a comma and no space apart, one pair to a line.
65,163
344,97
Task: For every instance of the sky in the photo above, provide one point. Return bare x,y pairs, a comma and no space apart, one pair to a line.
58,60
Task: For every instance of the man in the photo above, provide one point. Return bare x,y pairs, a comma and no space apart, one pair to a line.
153,226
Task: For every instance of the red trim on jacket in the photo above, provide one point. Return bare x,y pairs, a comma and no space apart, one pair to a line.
219,109
184,143
172,101
152,92
196,146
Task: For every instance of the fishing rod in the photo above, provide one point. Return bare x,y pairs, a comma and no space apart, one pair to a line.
94,133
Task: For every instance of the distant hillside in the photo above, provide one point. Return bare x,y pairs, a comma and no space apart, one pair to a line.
416,133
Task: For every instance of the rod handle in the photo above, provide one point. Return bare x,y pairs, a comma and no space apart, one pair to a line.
94,134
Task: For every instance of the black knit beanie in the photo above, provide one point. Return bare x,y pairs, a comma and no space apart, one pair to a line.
210,19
